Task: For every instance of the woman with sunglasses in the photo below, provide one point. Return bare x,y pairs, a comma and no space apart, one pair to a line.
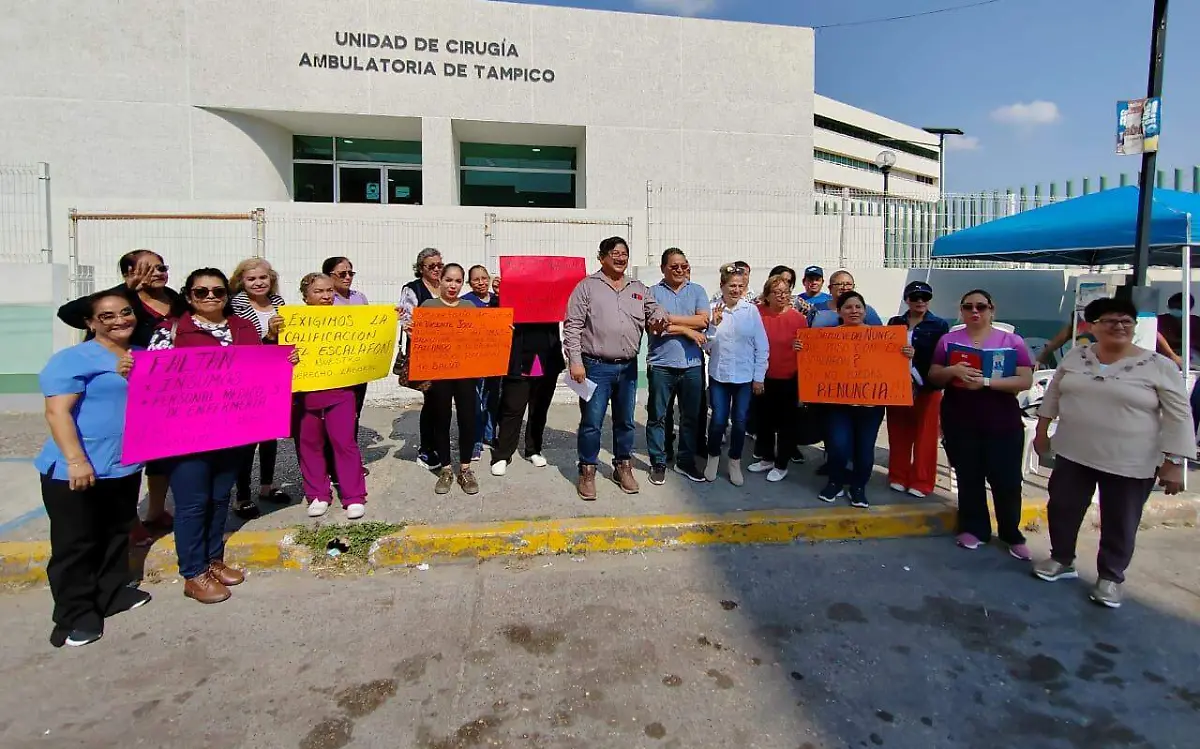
202,482
324,424
341,272
255,287
426,286
145,277
460,393
90,496
913,430
1123,421
982,426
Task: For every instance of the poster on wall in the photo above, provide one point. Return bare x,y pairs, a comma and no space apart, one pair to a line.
1138,124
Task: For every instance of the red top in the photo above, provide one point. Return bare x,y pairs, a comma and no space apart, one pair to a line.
781,331
188,334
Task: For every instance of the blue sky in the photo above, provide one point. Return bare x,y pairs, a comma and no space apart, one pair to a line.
1034,83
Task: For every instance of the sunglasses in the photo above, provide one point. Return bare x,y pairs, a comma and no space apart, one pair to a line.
920,297
980,307
679,266
345,274
107,317
202,292
434,266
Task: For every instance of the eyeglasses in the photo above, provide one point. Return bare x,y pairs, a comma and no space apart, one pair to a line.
434,266
107,317
842,285
919,297
679,266
781,292
202,292
1123,322
345,274
980,307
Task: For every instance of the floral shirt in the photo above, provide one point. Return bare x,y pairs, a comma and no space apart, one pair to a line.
164,338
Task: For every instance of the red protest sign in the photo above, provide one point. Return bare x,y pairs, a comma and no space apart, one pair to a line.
537,287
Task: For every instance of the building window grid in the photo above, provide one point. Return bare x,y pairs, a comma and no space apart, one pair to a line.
853,163
853,131
333,161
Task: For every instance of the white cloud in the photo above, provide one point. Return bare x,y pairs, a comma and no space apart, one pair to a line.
962,143
677,7
1028,115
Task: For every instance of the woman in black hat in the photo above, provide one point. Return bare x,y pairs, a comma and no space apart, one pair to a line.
913,430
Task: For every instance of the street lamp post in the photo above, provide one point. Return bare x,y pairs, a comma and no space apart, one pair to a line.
941,133
885,161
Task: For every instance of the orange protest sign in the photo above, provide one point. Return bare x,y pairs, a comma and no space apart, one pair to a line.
459,342
861,365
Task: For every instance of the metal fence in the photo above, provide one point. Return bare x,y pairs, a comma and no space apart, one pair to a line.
25,214
802,227
550,235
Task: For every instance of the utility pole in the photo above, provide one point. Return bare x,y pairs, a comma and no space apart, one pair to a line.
1158,48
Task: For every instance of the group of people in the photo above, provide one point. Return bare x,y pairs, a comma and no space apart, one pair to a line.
719,368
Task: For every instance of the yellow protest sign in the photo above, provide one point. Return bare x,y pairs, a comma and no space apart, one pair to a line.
339,345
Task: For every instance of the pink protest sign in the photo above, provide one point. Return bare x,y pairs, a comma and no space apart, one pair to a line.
193,400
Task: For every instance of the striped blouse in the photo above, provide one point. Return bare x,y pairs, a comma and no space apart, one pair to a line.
245,310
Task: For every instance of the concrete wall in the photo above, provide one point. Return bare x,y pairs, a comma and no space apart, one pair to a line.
187,100
29,330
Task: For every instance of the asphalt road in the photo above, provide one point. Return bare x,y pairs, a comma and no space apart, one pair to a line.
900,644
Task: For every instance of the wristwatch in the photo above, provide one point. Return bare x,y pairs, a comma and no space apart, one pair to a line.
987,382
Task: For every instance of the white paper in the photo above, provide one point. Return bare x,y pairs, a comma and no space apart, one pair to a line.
584,389
912,367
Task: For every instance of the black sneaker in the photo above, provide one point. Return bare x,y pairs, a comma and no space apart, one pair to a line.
858,498
658,475
690,472
823,470
127,599
798,457
80,637
831,492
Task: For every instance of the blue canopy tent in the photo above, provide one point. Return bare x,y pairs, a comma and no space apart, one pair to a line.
1097,229
1093,230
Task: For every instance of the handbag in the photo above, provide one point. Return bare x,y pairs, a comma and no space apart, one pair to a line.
400,367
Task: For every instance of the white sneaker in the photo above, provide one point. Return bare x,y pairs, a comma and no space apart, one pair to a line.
317,508
916,493
710,468
898,488
356,511
735,472
761,466
777,474
500,467
538,460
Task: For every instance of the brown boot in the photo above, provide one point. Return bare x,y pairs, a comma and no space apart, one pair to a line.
205,588
622,476
227,576
587,483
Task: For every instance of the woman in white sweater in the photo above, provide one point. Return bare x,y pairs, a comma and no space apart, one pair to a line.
1123,421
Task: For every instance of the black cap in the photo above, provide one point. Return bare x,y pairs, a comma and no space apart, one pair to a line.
814,271
917,287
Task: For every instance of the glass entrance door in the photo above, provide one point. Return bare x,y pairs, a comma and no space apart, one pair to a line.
360,184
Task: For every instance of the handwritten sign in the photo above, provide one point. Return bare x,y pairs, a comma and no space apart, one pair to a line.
339,346
459,343
861,365
193,400
537,287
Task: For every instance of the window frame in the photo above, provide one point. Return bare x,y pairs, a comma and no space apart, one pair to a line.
573,173
337,165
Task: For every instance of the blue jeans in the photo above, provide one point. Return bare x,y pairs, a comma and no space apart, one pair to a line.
487,410
728,401
668,384
201,484
615,383
851,438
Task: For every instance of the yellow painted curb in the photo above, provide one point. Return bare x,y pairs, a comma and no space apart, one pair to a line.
24,563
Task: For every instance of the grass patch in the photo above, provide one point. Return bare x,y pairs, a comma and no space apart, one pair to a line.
356,537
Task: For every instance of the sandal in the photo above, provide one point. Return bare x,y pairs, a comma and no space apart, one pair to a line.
246,509
278,496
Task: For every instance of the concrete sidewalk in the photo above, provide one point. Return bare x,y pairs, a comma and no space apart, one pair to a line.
535,511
